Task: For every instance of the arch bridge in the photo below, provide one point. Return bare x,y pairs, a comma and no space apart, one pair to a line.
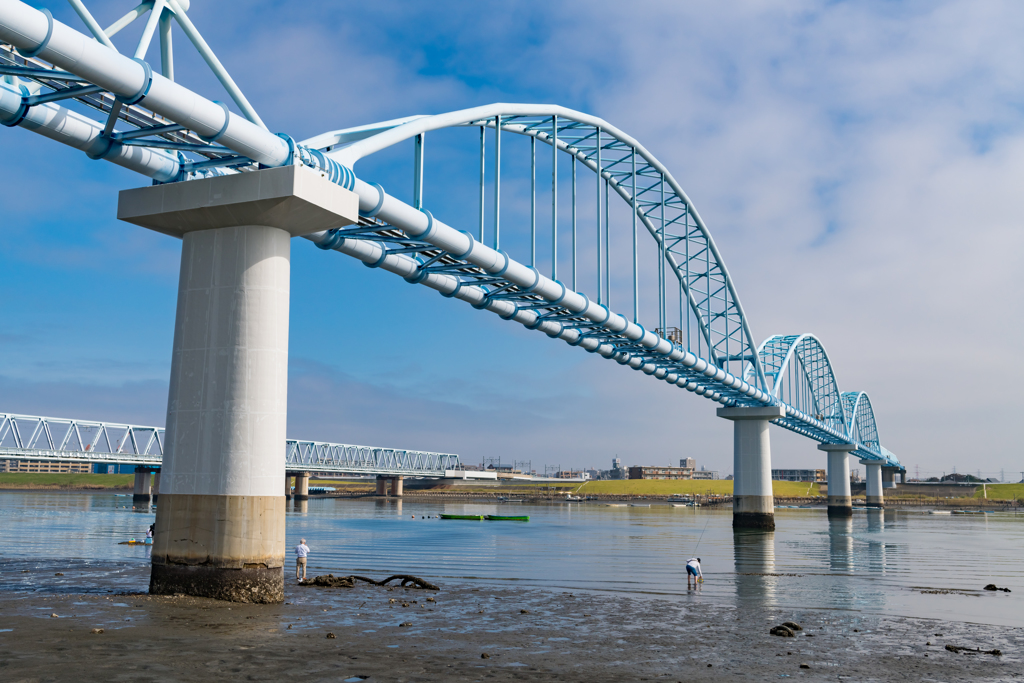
545,216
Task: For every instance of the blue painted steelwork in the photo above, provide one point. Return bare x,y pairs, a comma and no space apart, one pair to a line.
711,352
32,437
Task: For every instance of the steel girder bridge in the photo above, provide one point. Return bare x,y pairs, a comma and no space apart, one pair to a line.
79,90
31,437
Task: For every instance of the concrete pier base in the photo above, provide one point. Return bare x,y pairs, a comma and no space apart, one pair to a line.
141,494
156,485
223,547
288,486
302,486
396,486
382,486
840,502
873,478
753,504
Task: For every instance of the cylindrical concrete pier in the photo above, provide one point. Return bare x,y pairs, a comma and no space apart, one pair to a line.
141,493
220,525
840,503
889,477
302,486
873,477
156,485
382,486
753,504
396,486
287,485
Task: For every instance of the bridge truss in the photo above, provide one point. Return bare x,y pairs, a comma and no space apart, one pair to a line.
700,341
32,437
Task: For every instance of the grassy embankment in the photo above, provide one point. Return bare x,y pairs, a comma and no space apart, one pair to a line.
29,480
1002,492
625,487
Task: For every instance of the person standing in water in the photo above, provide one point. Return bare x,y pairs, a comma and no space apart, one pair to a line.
301,551
693,569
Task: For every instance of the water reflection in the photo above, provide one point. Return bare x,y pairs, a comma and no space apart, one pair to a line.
388,504
300,506
840,544
876,541
754,558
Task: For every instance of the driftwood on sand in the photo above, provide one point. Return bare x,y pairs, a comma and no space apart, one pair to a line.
332,581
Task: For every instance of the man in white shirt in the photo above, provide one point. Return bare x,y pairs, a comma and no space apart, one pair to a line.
693,569
301,551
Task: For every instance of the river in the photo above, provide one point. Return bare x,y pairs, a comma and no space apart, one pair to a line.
887,562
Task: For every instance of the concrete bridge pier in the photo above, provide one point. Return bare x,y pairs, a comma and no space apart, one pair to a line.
287,485
156,484
220,526
302,486
873,470
142,492
889,477
382,486
753,503
396,486
840,502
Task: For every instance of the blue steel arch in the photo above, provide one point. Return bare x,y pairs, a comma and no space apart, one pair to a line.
800,373
860,417
659,203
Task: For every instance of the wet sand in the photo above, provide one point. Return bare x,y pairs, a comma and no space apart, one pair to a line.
526,634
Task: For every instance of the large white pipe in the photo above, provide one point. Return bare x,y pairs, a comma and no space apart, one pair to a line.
78,131
29,29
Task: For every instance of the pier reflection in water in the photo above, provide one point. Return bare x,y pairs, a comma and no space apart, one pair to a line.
875,560
840,544
754,559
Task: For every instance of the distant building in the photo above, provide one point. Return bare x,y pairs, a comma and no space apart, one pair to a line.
45,466
703,473
800,475
616,463
688,462
653,472
104,468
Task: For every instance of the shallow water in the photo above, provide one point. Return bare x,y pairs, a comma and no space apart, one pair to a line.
876,562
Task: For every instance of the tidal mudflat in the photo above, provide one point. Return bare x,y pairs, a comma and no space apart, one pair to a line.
467,632
578,593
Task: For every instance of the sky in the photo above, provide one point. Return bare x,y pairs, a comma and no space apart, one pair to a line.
858,165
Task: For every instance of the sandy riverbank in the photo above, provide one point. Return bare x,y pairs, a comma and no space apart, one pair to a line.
527,634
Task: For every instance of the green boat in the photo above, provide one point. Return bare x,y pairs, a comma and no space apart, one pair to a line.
477,517
508,518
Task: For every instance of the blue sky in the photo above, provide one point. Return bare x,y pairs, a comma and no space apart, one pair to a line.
858,165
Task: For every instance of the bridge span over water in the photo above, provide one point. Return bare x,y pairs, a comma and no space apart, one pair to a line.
33,437
643,284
